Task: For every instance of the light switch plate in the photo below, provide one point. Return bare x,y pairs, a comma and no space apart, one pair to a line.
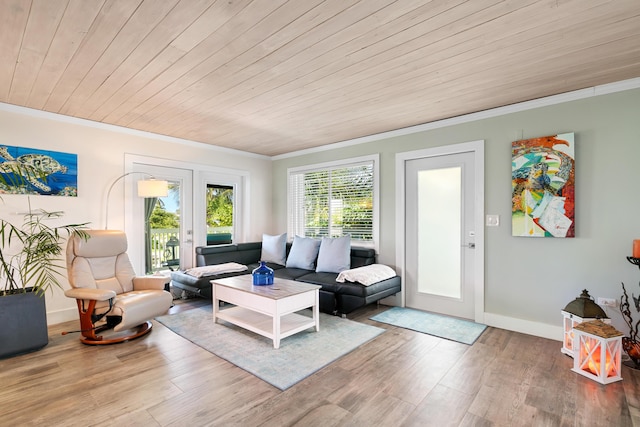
493,220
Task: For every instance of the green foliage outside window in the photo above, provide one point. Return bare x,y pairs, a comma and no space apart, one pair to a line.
338,202
219,206
160,218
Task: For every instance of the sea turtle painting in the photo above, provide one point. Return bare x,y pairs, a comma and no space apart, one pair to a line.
34,167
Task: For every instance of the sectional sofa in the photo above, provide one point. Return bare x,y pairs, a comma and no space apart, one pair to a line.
336,297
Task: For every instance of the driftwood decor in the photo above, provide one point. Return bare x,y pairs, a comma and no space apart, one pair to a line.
630,343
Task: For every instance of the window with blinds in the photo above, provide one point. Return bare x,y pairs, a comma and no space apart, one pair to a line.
330,201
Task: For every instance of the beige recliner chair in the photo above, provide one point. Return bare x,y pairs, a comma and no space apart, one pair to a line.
108,293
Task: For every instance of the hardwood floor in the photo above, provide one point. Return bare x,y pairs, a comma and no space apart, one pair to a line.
401,378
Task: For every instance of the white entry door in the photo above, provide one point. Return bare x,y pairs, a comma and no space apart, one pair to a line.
440,234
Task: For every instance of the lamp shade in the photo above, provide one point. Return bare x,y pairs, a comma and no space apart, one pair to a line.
153,188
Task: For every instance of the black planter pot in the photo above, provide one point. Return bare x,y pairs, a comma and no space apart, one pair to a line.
23,324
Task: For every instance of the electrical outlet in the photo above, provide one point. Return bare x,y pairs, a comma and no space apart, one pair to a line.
607,302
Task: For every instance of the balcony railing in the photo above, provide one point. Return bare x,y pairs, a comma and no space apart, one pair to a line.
165,248
165,245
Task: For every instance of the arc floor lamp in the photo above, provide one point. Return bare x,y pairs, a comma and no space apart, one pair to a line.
150,187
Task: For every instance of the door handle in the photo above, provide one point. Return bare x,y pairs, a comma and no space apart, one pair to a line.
471,245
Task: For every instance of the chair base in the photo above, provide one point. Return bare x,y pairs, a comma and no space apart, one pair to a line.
138,331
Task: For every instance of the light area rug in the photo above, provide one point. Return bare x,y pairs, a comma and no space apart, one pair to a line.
298,357
451,328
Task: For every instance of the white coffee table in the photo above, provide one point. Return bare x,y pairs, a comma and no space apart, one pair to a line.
270,310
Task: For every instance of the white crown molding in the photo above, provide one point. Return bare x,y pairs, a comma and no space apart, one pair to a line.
480,115
10,108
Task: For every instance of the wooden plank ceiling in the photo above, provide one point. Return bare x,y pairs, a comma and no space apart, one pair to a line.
276,76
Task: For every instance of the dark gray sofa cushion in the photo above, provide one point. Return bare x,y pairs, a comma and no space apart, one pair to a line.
242,253
356,289
328,282
199,286
289,273
362,256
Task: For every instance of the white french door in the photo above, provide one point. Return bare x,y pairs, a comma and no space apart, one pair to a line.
443,232
166,247
187,198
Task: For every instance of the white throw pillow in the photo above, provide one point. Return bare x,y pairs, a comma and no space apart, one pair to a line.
274,248
334,255
303,253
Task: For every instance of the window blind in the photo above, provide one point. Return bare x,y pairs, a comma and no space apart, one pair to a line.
332,201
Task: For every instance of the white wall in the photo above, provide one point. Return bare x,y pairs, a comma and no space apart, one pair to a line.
101,151
527,280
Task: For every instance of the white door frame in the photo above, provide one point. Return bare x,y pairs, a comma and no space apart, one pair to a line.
202,174
477,147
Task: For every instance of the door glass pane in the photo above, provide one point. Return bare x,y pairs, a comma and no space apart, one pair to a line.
439,243
162,229
219,214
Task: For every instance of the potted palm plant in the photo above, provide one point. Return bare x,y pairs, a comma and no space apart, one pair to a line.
30,265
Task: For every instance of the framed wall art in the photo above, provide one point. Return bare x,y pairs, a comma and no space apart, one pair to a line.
543,186
31,171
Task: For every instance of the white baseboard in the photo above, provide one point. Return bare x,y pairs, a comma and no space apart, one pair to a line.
543,330
61,316
393,300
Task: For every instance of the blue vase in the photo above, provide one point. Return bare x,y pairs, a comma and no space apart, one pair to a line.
262,275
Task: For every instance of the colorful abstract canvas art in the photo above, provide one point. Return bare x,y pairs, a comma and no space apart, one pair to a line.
31,171
543,186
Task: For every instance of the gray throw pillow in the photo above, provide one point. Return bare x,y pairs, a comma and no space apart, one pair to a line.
334,255
274,248
303,253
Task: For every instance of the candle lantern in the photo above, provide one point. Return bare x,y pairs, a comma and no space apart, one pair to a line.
582,309
598,350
